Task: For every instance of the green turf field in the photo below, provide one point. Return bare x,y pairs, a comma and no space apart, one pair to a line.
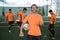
14,35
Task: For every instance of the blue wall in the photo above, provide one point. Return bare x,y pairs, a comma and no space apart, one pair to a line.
42,10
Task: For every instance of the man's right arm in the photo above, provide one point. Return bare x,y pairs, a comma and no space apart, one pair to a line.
41,21
24,21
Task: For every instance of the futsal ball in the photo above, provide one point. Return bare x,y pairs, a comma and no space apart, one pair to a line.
26,26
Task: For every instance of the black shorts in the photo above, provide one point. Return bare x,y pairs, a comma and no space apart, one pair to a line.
19,23
34,37
51,26
11,22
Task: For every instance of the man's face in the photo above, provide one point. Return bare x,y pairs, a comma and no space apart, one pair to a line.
34,8
10,11
24,11
50,12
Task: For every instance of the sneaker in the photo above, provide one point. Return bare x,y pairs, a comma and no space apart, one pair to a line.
53,38
9,31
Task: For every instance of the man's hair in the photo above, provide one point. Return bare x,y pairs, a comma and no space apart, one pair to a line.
10,10
24,9
50,11
34,5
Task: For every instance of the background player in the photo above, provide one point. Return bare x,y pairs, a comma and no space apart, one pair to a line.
10,18
21,14
52,23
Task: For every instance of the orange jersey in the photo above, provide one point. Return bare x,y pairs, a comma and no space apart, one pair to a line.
52,18
21,15
34,22
10,16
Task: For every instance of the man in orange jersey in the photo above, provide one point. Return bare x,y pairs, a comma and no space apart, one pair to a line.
18,19
35,20
21,14
52,23
10,18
